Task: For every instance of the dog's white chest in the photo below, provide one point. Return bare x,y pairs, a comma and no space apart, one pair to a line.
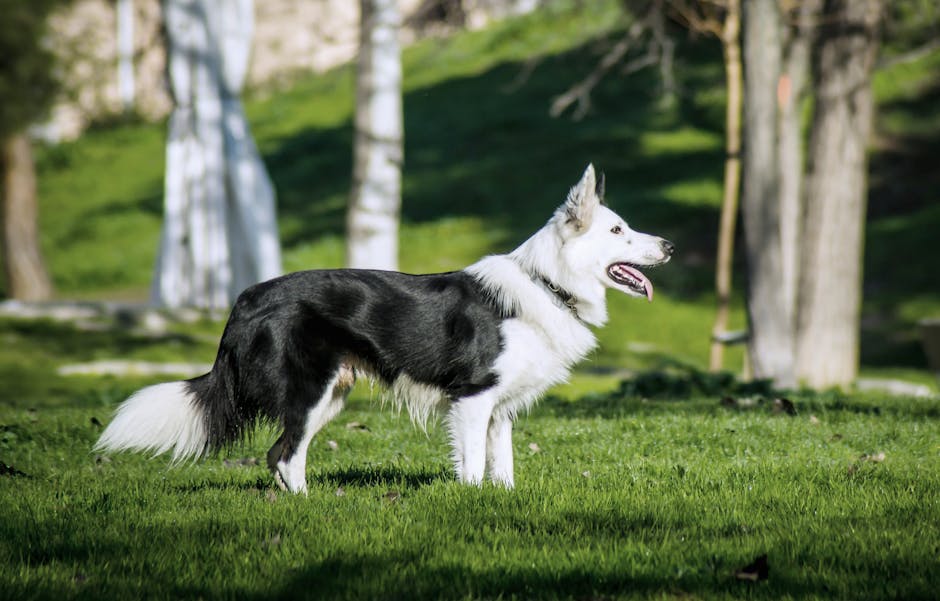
534,359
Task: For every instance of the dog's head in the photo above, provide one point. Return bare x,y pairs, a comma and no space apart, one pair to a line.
597,241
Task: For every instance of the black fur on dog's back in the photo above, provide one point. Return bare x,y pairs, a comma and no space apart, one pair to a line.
286,337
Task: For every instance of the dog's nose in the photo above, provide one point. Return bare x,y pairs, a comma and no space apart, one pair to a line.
668,247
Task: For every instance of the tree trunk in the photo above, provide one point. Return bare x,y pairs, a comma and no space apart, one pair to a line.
220,230
831,278
791,91
731,44
26,275
770,347
375,198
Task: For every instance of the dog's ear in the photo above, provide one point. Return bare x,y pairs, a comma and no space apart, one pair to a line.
581,202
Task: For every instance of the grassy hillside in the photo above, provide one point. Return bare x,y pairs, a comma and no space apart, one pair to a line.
485,165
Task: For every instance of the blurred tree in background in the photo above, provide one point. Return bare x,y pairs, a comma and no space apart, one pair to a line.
374,210
28,86
802,217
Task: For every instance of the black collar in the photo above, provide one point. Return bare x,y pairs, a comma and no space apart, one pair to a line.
567,299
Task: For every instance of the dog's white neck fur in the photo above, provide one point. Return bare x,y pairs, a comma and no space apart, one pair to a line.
537,256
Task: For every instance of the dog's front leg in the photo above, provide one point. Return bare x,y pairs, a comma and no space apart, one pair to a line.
469,419
499,451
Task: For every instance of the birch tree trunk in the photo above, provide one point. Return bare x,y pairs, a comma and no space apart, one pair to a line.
731,45
770,348
831,276
220,232
375,199
26,275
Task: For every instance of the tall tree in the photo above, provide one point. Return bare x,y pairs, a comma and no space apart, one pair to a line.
27,89
219,231
831,277
375,199
771,344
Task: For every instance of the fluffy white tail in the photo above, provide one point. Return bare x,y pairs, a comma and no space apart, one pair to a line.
158,418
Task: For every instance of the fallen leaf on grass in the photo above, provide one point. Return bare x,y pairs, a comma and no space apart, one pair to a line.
535,448
340,492
357,426
874,458
784,405
813,420
9,470
759,569
866,458
332,445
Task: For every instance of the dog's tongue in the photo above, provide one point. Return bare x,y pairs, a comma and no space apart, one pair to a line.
637,275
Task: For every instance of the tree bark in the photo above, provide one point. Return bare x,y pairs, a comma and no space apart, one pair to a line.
375,199
770,348
731,45
831,276
26,275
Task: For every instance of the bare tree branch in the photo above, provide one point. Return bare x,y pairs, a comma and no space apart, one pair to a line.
581,92
658,47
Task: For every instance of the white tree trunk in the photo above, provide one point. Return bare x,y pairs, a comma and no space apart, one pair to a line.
375,199
770,348
220,232
831,275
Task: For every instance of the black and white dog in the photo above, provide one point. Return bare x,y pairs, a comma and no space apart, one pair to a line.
481,344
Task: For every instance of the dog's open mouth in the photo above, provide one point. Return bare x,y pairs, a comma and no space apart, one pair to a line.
628,275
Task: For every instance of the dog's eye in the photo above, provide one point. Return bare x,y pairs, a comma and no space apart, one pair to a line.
616,230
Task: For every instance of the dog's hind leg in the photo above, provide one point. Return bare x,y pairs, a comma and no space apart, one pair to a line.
287,459
468,420
499,450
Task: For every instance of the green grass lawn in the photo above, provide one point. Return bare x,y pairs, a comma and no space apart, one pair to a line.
617,498
637,488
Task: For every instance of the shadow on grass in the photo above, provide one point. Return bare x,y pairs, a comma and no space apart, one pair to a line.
393,577
385,476
679,388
